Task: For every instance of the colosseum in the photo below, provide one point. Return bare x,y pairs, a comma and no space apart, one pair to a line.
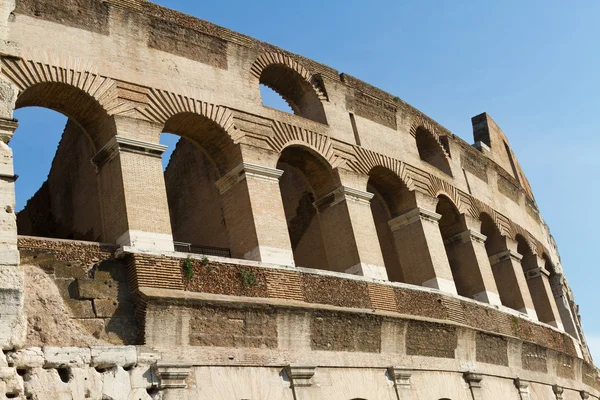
352,250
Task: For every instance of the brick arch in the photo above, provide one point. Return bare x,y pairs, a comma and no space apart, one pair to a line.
388,184
295,84
504,225
286,135
163,105
209,136
81,94
364,161
271,58
532,244
430,147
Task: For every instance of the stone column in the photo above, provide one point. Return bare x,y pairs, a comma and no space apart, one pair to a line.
349,233
561,297
135,212
254,214
541,293
474,381
471,267
401,379
13,326
173,377
510,279
421,250
301,381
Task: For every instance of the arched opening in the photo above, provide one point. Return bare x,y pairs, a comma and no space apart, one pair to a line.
68,204
391,199
306,178
504,272
431,151
299,94
203,152
272,99
451,225
537,282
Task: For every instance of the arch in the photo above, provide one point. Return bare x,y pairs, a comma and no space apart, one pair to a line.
203,155
208,135
452,224
538,283
529,261
306,179
391,198
495,242
286,135
431,150
68,90
74,103
548,264
164,105
314,168
68,205
298,87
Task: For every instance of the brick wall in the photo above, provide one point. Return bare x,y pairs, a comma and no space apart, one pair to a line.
260,282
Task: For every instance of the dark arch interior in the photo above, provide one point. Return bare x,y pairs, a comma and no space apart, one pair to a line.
451,224
203,155
528,262
495,242
391,199
431,151
295,90
210,138
306,179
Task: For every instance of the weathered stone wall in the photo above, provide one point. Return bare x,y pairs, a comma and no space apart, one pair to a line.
91,283
242,279
67,206
236,319
261,336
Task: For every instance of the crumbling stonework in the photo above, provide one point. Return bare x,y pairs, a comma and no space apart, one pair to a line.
354,249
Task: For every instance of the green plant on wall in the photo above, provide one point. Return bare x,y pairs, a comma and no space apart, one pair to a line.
188,267
248,278
515,326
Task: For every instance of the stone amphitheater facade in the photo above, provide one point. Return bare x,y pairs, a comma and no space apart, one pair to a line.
358,249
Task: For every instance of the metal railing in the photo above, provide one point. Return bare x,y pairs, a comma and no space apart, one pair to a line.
203,250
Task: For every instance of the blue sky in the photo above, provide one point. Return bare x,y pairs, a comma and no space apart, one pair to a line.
533,66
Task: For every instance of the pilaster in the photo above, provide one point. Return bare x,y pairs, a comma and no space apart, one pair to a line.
561,297
135,210
401,378
523,388
173,377
301,379
13,327
254,214
471,267
421,250
538,281
349,233
474,381
511,282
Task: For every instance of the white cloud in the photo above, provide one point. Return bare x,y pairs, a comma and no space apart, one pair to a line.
593,341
